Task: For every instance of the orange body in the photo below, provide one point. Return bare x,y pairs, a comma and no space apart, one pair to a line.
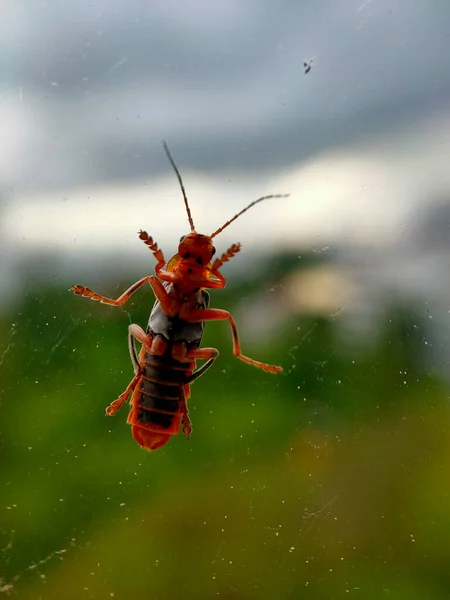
158,402
165,366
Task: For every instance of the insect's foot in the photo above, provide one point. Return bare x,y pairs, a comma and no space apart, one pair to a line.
186,427
113,407
263,366
273,369
78,289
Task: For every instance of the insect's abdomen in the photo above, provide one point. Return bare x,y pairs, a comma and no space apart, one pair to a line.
158,401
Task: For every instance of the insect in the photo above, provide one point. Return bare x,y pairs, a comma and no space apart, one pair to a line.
307,65
165,366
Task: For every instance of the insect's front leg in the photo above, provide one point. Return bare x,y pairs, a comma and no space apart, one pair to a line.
216,280
157,252
217,314
80,290
169,304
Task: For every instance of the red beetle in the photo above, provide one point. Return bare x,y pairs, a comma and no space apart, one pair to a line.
166,364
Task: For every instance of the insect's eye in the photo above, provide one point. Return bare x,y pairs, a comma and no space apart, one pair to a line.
186,255
198,260
182,238
213,251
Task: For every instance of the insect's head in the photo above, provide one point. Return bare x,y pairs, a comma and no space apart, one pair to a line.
194,245
197,248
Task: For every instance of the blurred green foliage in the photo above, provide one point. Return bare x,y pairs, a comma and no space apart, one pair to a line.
325,482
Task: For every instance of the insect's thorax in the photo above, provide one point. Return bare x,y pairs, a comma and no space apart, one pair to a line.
173,328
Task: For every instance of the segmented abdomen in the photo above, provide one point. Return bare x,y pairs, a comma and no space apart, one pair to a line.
158,402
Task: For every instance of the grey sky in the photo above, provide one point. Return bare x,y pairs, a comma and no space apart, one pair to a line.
91,87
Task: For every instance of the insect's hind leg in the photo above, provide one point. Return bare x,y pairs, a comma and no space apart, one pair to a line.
137,333
133,351
186,425
211,354
117,404
182,354
134,333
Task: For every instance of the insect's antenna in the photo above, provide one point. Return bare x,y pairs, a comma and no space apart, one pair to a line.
172,162
245,210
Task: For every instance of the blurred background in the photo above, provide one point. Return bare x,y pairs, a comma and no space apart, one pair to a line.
326,482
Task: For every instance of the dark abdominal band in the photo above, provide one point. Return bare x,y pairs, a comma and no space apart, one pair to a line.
160,391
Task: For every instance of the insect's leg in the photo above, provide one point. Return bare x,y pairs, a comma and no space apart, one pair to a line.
133,351
186,425
180,353
117,404
134,333
217,314
80,290
187,392
159,256
155,345
137,333
169,305
210,353
195,353
216,280
199,372
157,252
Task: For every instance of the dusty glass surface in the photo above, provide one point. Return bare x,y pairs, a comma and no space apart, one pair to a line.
328,481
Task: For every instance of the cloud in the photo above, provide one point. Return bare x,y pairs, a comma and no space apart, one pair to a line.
96,85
